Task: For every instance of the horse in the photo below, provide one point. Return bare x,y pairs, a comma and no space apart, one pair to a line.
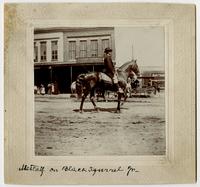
99,91
73,87
87,83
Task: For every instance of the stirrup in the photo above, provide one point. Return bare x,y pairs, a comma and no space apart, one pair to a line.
120,90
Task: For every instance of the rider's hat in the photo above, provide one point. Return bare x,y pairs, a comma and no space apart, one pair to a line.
107,49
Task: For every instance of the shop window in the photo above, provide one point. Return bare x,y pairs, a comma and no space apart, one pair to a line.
72,50
43,51
35,52
54,50
83,48
105,44
94,48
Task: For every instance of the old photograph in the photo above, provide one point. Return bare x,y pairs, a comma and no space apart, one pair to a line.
99,91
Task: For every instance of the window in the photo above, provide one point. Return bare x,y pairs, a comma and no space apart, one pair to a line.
54,50
72,50
94,48
35,52
105,44
43,51
83,48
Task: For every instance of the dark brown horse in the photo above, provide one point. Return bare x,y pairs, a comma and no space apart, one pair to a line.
88,83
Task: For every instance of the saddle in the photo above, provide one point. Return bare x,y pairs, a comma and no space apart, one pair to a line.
105,78
114,83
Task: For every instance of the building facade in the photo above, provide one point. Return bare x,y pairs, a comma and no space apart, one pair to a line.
61,54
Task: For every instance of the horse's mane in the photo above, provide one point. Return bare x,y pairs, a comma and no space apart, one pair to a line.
129,65
124,66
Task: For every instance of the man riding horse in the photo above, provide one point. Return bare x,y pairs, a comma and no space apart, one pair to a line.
110,68
89,82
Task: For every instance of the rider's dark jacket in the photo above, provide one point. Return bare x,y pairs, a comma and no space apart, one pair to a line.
109,66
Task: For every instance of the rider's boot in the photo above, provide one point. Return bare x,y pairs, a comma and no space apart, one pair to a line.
116,83
119,89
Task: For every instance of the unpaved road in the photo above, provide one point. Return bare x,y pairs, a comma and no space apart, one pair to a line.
61,131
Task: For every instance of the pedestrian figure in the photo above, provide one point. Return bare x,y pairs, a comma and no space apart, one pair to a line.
52,88
42,90
49,89
56,90
35,89
38,90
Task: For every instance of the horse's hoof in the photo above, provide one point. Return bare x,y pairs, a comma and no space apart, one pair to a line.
96,109
118,111
81,111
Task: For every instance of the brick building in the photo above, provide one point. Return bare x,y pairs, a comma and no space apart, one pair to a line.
61,54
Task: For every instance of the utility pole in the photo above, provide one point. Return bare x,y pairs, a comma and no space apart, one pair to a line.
132,53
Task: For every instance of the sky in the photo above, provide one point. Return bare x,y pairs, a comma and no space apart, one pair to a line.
148,45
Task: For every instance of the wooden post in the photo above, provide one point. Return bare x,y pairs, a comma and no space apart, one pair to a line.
50,68
132,53
71,73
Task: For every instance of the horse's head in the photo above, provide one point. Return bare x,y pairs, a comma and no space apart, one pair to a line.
133,69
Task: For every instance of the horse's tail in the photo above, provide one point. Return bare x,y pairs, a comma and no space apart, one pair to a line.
79,84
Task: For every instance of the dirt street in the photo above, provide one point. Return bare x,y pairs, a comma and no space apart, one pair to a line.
60,130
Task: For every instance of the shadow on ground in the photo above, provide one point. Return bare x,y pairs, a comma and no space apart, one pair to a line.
111,110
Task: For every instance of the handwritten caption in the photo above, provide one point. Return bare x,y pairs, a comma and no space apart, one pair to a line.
41,170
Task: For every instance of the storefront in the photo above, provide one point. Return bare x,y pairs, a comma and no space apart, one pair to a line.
62,75
61,54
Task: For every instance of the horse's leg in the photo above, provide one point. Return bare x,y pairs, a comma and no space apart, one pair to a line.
125,95
130,91
106,95
103,95
92,98
97,95
82,101
119,100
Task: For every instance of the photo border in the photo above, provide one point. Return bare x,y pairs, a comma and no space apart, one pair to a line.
20,142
